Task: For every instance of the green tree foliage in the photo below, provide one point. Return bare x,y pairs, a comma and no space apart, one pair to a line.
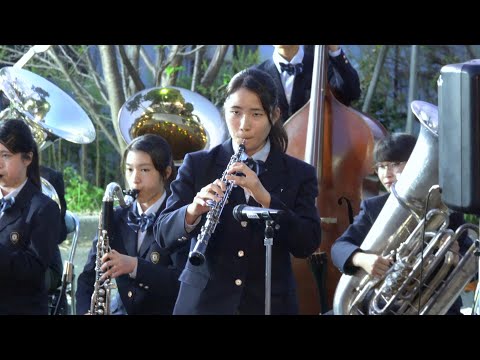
389,103
80,195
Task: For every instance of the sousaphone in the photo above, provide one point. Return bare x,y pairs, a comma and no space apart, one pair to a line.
186,120
49,112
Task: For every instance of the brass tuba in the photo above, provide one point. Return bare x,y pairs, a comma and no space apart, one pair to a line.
186,120
427,274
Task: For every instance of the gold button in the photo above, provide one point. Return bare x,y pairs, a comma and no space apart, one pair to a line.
238,282
130,294
241,253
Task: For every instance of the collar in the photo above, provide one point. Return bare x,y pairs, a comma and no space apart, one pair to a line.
154,207
14,192
262,154
297,59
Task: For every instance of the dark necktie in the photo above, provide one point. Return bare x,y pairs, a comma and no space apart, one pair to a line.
256,165
291,69
140,222
6,204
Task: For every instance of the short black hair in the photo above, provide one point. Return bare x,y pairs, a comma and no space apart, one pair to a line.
395,147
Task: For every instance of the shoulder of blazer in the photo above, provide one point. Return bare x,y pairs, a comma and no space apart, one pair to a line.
40,200
375,204
297,166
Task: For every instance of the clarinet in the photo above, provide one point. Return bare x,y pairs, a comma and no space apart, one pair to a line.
197,255
100,301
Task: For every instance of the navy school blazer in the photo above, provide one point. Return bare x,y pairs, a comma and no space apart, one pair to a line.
155,288
28,238
232,279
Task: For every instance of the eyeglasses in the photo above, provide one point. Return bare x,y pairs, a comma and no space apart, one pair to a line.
392,165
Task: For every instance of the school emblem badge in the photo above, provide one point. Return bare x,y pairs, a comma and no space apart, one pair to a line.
155,257
14,237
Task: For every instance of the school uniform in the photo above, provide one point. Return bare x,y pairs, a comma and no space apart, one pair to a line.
154,287
232,279
342,77
28,238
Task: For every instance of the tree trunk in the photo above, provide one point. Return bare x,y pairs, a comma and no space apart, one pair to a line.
113,85
215,65
97,161
412,87
83,161
196,68
376,74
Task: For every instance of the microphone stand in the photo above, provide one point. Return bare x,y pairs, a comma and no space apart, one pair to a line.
268,242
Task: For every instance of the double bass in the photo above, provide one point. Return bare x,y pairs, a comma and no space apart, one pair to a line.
338,141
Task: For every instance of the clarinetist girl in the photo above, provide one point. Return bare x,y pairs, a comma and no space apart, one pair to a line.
231,280
146,275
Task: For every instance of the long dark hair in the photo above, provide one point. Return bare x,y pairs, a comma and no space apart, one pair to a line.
16,136
262,84
160,153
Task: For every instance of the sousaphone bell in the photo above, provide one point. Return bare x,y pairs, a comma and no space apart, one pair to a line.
49,112
186,120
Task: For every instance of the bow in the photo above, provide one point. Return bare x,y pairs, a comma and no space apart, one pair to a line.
6,204
291,69
142,222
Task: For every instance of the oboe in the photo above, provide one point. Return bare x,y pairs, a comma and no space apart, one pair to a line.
197,255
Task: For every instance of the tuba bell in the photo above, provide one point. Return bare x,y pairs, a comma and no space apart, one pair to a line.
186,120
427,274
48,111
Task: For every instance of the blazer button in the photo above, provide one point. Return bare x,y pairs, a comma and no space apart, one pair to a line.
238,282
241,253
146,287
130,294
141,284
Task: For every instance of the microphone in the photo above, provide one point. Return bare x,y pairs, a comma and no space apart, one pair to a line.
244,212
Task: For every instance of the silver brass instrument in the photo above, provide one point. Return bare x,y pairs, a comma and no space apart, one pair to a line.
100,301
185,119
427,274
197,255
48,110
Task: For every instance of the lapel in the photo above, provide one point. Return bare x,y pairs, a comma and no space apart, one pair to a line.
128,236
275,172
22,200
302,85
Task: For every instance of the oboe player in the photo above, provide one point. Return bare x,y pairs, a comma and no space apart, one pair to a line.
146,275
231,280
